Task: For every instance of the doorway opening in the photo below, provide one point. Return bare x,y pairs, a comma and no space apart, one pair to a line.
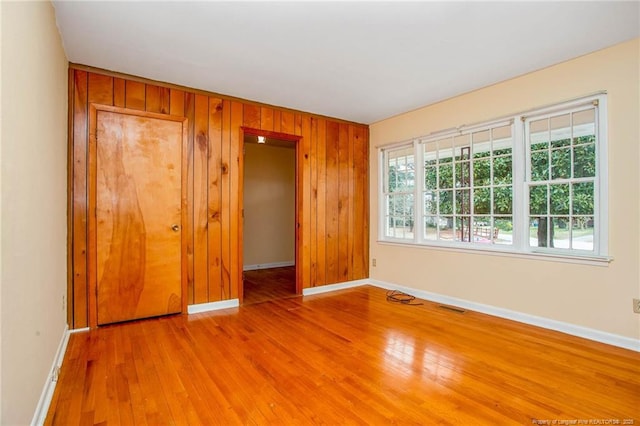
269,248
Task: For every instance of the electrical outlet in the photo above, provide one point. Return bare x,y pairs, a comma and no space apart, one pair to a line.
373,262
636,306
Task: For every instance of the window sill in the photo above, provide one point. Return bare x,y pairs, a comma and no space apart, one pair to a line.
493,251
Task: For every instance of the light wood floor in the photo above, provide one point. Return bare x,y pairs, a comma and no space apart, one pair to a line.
269,284
347,357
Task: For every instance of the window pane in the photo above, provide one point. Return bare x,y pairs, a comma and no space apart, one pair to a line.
540,165
561,232
479,138
483,232
502,151
582,233
462,146
482,152
502,200
502,170
584,126
583,198
445,150
430,154
502,141
463,202
430,228
503,230
560,130
408,204
539,235
430,177
559,199
544,145
462,174
389,184
463,228
481,172
445,226
584,161
538,200
482,201
400,169
561,163
389,227
430,207
445,172
410,177
392,205
483,220
534,223
445,202
539,134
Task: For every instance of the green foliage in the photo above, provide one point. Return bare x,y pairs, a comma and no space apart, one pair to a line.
489,177
555,160
584,165
488,170
400,204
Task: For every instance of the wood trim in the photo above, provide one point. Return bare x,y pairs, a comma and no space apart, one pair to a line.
70,232
131,77
270,134
92,226
79,140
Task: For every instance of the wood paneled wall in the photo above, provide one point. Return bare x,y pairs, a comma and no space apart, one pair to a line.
332,168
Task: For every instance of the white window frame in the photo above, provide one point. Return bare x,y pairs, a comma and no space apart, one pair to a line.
520,172
467,130
383,173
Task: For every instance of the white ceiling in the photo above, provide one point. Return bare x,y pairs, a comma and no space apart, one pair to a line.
360,61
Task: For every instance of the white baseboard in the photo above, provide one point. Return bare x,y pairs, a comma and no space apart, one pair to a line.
333,287
572,329
46,396
213,306
268,265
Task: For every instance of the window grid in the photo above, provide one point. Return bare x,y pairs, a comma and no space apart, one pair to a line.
477,187
399,182
459,193
569,189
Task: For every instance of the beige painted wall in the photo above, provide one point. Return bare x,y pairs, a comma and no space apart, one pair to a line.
597,297
34,194
269,204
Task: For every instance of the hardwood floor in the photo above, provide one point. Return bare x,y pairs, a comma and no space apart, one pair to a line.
348,357
269,284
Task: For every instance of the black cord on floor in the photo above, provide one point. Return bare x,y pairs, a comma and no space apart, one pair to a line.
396,296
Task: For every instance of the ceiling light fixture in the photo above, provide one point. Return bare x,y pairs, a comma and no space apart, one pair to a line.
261,139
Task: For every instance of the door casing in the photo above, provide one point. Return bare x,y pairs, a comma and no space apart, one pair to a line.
247,131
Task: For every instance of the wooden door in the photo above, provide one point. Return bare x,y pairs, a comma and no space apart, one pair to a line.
139,215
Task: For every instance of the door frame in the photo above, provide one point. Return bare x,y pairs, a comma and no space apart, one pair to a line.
248,131
92,269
